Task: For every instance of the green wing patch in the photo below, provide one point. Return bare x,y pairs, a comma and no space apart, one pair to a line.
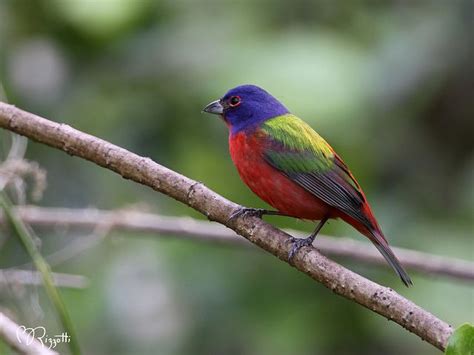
305,157
302,149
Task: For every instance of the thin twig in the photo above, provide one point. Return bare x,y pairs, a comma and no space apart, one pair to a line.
28,277
15,336
190,228
79,245
342,281
28,243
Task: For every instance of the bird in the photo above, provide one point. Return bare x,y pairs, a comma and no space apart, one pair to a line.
291,167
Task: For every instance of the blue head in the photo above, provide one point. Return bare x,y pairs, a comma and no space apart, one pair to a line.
245,107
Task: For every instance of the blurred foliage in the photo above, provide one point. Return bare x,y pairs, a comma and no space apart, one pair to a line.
462,341
390,84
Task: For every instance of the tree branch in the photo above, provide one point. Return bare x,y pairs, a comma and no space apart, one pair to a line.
19,340
143,170
137,221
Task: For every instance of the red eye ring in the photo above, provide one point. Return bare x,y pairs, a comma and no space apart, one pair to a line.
235,101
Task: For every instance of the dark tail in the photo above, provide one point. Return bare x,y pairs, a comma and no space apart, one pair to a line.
381,244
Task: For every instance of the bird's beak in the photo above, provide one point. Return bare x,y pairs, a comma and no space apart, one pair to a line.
214,107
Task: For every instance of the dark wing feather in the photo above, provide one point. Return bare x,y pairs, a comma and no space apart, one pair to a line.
301,154
333,188
296,150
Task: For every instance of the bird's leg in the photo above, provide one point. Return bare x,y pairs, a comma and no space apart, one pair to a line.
298,243
255,212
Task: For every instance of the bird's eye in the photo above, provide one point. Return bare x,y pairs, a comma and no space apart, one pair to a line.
234,101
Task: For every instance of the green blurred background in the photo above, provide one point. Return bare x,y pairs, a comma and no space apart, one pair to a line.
390,84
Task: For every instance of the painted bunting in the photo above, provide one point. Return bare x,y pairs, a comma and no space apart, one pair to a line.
292,168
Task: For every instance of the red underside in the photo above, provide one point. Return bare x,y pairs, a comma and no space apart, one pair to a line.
275,188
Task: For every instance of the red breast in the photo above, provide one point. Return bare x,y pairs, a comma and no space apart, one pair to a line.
270,184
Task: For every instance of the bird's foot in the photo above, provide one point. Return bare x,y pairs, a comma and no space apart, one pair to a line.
297,244
244,211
